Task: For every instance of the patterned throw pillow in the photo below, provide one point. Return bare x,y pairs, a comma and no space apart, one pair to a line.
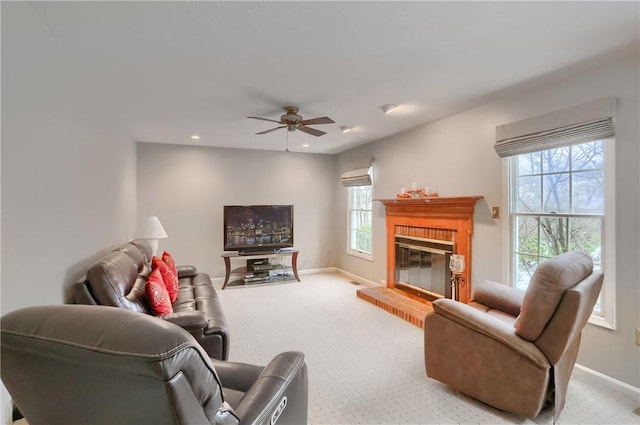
167,258
168,276
157,294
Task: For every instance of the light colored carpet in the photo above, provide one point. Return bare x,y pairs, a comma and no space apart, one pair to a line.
366,366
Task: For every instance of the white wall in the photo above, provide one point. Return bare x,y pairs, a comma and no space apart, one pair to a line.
456,155
187,186
68,170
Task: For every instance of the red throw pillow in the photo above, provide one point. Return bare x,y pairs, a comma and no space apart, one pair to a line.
157,294
167,258
168,276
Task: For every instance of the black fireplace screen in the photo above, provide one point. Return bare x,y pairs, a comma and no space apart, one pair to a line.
424,264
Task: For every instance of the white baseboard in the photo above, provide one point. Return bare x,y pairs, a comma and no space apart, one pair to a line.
323,270
624,385
356,278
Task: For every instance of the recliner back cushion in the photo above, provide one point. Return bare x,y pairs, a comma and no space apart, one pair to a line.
115,281
548,283
136,255
143,248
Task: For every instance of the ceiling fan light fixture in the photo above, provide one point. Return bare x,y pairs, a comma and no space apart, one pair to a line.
388,108
346,128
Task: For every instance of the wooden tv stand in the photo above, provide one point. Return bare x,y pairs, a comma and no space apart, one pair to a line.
255,270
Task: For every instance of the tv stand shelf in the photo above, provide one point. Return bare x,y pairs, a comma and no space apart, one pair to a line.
260,267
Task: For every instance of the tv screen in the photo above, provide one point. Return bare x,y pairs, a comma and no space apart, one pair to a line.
258,227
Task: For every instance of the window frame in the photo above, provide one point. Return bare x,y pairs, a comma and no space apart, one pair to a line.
606,318
354,252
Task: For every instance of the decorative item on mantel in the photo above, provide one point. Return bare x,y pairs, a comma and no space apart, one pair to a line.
416,192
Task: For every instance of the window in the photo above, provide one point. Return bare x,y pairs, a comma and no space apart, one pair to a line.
360,220
561,192
560,200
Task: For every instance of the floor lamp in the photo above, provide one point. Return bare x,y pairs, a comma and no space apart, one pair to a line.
151,229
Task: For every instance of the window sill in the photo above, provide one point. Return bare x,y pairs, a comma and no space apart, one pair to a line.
362,255
601,321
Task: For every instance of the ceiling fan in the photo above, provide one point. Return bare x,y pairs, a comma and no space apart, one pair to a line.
292,122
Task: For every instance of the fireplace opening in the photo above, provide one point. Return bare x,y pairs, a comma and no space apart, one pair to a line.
422,266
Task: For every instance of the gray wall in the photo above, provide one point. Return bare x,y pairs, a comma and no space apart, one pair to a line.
68,169
187,186
456,155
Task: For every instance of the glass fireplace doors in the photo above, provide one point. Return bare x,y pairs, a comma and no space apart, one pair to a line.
424,265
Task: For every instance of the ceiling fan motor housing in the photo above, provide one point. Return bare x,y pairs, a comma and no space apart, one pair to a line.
291,118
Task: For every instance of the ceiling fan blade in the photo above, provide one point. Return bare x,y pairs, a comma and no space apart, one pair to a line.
272,129
321,120
264,119
310,130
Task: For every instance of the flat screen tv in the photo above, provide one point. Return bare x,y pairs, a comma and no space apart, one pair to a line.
252,228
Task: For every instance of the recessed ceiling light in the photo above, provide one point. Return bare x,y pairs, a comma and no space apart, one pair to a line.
345,128
306,145
388,108
195,137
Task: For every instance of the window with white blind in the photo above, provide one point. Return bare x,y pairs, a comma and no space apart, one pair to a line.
360,215
561,197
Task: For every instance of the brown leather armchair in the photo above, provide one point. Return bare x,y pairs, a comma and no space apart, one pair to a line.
77,364
510,349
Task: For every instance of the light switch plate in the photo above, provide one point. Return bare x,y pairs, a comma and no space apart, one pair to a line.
495,212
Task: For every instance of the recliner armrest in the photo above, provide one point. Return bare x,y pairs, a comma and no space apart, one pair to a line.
237,376
186,271
188,320
490,327
279,394
498,296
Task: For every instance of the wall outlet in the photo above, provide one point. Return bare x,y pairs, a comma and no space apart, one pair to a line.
638,337
495,212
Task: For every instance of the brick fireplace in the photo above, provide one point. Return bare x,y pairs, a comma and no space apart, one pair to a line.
421,235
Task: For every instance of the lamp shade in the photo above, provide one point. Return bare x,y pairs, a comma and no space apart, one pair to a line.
150,228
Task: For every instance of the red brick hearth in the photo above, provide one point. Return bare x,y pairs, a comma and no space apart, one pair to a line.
397,303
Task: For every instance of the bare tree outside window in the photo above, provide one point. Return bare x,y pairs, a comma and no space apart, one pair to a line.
558,206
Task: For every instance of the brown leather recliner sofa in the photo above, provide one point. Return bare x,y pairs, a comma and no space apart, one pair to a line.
510,349
118,279
79,364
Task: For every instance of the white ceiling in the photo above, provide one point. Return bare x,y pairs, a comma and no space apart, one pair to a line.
172,69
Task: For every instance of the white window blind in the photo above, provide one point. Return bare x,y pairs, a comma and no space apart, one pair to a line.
358,177
590,121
